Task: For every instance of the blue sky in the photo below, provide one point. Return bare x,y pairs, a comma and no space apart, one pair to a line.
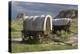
33,8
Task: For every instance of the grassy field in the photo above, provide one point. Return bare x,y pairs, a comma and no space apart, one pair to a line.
20,47
23,47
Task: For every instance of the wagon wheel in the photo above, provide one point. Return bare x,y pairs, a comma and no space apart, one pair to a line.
39,37
22,36
42,38
25,37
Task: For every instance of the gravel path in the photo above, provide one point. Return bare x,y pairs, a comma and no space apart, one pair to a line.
16,39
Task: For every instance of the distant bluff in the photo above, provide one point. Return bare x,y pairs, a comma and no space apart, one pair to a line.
67,14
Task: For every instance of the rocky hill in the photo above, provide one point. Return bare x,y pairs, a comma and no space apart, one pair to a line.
68,14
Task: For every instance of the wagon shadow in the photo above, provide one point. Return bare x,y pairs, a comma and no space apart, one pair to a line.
22,42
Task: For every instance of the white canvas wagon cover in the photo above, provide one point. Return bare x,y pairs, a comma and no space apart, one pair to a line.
38,23
61,21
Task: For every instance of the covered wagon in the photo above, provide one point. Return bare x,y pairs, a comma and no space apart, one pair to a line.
61,24
34,27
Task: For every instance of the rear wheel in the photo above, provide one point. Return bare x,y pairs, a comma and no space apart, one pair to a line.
39,37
